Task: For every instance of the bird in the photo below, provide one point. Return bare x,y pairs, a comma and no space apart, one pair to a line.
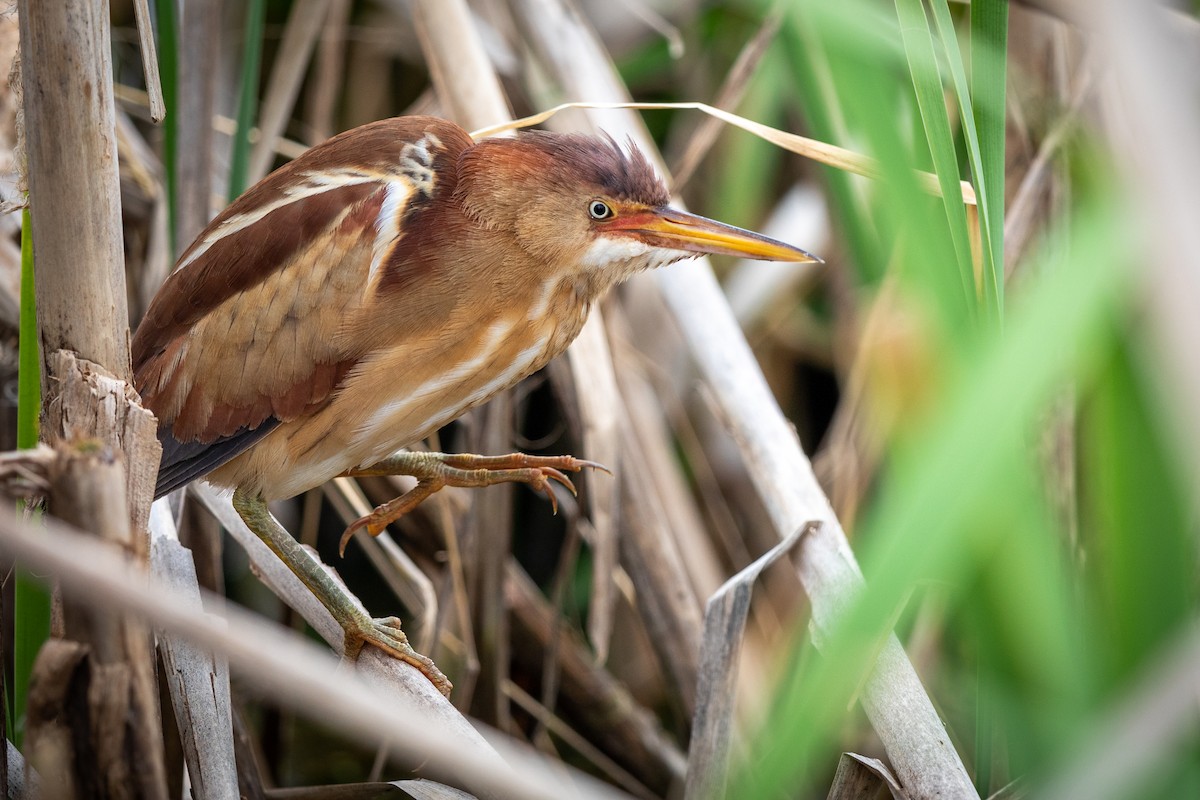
379,286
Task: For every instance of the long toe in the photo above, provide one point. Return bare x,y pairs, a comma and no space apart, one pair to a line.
387,635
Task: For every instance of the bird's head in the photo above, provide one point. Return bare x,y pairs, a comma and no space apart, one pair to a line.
582,204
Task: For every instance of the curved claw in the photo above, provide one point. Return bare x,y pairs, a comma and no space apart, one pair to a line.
545,489
552,473
591,465
348,534
358,524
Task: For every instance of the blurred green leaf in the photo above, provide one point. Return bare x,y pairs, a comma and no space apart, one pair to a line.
1135,516
989,78
927,81
247,97
168,69
945,478
31,601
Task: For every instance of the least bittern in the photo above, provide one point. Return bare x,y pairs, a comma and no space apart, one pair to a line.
376,288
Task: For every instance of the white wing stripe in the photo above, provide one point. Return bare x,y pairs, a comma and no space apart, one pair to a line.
315,183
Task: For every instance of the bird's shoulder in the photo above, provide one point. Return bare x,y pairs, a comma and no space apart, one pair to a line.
339,187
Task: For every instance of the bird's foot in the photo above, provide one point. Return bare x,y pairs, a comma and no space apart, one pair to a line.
436,470
386,634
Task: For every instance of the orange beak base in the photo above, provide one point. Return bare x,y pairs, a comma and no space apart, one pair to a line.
672,229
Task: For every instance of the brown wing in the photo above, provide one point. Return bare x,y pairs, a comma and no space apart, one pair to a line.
249,331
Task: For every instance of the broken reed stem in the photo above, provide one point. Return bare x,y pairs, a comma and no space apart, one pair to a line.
109,695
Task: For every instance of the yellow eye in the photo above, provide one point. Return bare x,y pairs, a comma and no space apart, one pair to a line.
598,209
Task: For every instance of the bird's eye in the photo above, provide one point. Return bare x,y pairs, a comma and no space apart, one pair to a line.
599,210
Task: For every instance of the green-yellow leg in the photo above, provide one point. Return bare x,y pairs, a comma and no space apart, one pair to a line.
436,470
360,629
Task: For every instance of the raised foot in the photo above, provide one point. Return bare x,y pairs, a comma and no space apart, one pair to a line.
434,471
386,634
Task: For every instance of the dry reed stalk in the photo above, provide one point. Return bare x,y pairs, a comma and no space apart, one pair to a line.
462,75
724,627
199,49
893,697
328,73
91,406
108,692
295,52
284,668
664,596
91,403
198,680
148,256
141,10
600,406
621,728
68,102
487,535
644,404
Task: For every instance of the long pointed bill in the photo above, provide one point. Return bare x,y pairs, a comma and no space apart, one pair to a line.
678,230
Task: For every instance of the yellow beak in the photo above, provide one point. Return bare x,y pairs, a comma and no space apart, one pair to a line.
672,229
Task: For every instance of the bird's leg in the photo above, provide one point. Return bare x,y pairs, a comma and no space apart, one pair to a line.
360,629
436,470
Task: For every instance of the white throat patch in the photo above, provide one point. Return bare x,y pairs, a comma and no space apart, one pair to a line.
609,251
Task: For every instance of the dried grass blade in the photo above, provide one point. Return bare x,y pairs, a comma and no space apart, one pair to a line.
724,624
822,152
729,96
195,99
858,776
573,739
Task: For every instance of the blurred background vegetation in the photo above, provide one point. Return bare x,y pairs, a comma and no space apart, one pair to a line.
984,390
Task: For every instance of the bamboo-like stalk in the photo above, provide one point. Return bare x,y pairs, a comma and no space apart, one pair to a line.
75,206
124,747
75,202
462,75
900,710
